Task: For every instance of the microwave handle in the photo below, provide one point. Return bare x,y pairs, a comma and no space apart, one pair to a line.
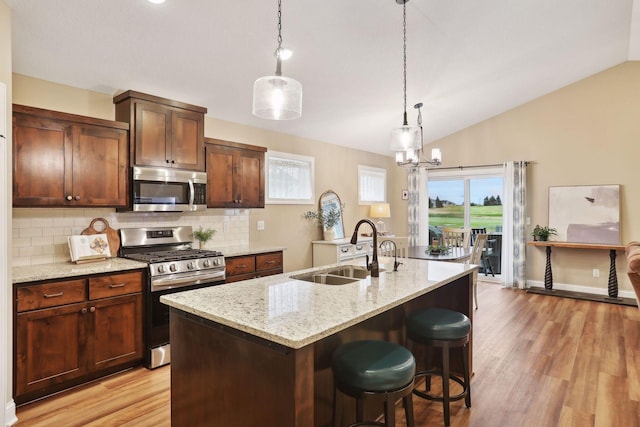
191,194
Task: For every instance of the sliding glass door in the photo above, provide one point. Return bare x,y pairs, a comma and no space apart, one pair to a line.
469,198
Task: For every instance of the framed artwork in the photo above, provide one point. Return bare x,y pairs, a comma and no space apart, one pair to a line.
585,213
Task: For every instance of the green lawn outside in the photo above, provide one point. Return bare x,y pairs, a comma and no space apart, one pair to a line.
453,216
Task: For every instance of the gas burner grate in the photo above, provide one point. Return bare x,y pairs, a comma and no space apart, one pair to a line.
177,255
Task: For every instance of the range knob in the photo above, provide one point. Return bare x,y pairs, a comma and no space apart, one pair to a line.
216,261
173,268
206,263
190,265
161,269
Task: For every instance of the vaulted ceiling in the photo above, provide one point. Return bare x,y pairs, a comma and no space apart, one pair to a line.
467,60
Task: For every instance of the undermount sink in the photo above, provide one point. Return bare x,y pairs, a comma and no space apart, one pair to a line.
325,279
336,275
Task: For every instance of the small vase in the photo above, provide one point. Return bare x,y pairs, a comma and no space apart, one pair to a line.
544,238
329,234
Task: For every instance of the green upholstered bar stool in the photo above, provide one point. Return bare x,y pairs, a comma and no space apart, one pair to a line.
365,369
437,327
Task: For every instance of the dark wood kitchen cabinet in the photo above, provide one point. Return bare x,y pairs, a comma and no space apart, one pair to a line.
164,132
246,267
72,331
64,160
235,174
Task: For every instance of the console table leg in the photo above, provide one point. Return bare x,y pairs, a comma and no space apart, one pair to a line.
613,278
548,274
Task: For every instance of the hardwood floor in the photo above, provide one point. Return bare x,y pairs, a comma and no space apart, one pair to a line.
538,360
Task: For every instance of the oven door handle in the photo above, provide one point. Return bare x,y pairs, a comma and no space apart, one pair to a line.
186,280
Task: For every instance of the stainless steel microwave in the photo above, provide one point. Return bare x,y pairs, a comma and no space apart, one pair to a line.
157,189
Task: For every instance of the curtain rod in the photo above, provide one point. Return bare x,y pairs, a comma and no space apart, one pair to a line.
470,167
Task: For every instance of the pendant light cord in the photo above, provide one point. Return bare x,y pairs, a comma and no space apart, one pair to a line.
279,49
279,24
404,60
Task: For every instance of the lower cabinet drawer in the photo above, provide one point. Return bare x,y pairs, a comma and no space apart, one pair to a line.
51,295
240,265
114,285
269,261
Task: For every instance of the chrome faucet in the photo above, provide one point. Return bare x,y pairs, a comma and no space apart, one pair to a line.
396,264
373,267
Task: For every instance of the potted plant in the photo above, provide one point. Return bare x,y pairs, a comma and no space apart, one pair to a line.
542,233
327,218
203,235
437,249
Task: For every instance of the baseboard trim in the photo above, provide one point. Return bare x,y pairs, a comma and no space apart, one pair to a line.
10,414
582,292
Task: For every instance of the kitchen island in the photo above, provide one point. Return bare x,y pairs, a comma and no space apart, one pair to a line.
258,352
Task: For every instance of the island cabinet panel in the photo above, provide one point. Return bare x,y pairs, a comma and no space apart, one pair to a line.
252,266
227,383
69,332
63,160
164,132
235,174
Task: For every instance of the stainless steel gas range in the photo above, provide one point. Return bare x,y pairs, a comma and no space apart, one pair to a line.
173,267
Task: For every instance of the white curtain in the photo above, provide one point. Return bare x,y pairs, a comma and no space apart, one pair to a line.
514,214
413,213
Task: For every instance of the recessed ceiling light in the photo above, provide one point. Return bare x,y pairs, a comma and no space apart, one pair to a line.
156,1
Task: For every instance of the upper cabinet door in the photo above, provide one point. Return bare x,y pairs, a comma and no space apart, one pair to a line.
99,166
41,157
152,134
186,150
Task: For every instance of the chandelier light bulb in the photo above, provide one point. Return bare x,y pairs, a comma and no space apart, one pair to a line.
283,53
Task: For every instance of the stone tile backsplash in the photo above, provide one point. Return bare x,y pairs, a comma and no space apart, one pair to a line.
40,234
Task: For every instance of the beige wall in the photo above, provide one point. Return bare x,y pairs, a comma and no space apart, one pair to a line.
587,133
336,169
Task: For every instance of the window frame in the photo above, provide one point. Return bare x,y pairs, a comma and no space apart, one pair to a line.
293,157
372,170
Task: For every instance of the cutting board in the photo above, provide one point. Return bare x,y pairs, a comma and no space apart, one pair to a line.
112,234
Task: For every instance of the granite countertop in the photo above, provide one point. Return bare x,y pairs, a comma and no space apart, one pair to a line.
59,270
250,250
296,313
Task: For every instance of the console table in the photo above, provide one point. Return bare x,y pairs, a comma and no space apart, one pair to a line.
613,278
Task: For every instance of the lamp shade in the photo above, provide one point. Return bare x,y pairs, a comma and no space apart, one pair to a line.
405,138
277,98
379,210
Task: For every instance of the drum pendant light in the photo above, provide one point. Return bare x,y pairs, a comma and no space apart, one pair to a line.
277,97
405,139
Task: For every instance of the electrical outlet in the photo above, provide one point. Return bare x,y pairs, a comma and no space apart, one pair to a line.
260,225
596,272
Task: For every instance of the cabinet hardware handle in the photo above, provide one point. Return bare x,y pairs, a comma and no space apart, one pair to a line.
59,294
69,198
77,197
359,247
167,160
83,311
173,161
92,309
344,250
241,266
269,262
119,285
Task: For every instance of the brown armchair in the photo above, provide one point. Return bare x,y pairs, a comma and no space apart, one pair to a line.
633,266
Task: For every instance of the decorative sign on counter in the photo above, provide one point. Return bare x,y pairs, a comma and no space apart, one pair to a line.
89,248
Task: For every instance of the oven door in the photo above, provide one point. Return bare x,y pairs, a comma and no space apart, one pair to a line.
157,352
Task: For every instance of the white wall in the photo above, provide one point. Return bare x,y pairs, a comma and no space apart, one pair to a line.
7,412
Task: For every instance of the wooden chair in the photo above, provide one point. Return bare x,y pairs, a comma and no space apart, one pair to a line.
456,237
386,247
490,251
476,258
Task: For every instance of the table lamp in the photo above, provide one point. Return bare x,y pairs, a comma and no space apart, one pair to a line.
380,210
